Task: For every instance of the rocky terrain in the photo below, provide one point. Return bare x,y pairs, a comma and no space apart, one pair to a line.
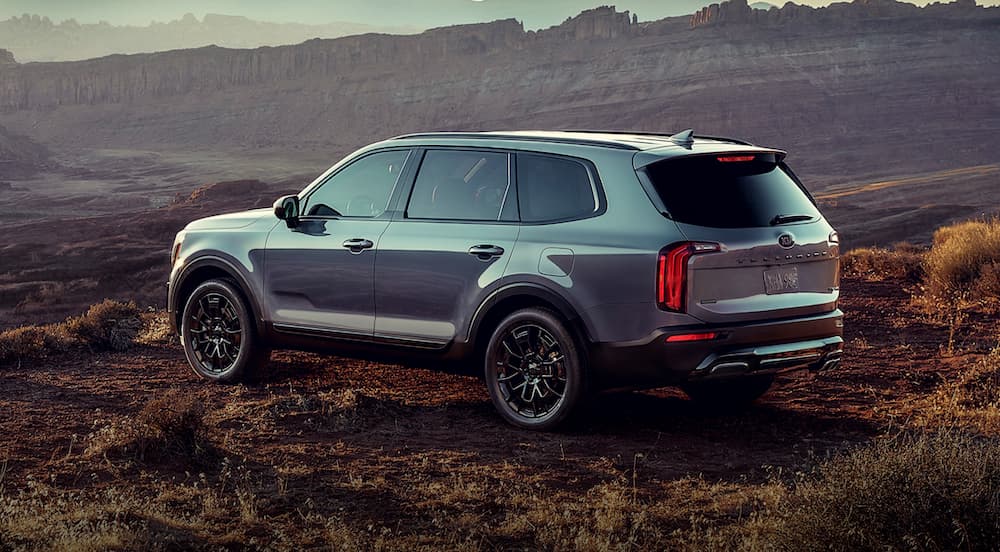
37,38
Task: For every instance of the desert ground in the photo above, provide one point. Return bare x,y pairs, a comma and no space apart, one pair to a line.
326,452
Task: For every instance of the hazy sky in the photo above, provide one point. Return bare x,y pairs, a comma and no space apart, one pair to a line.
416,13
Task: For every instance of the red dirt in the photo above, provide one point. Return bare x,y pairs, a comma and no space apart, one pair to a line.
409,414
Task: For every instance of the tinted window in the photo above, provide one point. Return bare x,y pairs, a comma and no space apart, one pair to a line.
362,189
707,192
460,185
552,188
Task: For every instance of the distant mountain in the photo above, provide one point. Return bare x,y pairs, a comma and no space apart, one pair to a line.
762,6
37,38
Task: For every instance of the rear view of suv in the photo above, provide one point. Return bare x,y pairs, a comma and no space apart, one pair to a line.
556,263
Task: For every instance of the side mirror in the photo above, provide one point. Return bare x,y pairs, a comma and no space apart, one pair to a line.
287,209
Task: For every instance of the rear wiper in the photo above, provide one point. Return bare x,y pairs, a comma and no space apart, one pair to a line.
786,219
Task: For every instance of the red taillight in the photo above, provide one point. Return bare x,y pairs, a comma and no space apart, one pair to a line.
671,274
736,158
707,336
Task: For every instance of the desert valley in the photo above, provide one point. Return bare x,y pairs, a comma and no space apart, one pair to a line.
889,113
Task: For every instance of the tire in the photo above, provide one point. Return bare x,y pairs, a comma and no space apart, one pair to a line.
216,310
730,394
535,370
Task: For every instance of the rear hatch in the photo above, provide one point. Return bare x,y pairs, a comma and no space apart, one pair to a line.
777,256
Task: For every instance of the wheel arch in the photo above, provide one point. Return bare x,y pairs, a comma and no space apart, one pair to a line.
515,297
208,268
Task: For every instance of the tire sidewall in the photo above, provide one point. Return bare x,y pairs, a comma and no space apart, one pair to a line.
247,342
575,382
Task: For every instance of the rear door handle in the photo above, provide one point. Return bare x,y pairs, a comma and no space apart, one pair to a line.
485,252
357,245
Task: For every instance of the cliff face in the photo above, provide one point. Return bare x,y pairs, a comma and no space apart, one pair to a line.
739,12
842,94
37,38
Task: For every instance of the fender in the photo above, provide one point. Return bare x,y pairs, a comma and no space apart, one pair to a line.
229,267
537,291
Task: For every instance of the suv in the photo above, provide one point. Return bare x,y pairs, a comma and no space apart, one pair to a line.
558,263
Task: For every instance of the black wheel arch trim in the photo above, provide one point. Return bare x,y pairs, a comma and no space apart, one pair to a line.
227,266
536,291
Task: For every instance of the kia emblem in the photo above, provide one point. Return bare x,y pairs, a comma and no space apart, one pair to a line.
786,240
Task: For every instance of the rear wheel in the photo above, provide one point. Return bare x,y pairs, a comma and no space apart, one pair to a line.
218,334
534,370
729,394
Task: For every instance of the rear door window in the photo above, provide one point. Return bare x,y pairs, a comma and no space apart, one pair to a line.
730,191
461,185
553,188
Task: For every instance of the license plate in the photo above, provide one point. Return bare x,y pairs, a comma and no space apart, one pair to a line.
781,280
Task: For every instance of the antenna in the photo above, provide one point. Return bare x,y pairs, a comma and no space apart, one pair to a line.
684,138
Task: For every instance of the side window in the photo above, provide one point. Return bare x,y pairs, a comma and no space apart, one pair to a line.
362,189
553,188
462,185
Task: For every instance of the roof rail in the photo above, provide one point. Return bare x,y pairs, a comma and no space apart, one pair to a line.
664,135
521,137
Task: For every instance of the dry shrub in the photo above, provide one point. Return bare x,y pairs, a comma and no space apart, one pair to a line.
972,401
927,492
155,329
903,261
110,325
170,427
29,343
963,265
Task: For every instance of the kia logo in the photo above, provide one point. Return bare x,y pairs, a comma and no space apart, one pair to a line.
786,240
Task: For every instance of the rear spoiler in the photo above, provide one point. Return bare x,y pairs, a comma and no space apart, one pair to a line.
648,157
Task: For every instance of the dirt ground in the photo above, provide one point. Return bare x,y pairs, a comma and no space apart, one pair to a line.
328,449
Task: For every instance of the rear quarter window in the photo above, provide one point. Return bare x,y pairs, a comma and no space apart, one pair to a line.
706,191
551,188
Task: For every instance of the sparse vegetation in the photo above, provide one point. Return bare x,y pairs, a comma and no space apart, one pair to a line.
29,343
902,261
169,427
919,492
963,272
970,400
109,325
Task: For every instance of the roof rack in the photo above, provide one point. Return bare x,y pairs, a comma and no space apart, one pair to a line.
665,136
521,137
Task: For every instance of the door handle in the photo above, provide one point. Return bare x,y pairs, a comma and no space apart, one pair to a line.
485,252
357,245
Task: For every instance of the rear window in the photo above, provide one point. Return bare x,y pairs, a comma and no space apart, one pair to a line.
729,192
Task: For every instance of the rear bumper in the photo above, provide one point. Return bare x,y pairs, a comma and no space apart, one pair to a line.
811,342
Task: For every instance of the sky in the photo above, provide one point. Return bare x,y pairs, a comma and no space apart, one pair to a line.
412,13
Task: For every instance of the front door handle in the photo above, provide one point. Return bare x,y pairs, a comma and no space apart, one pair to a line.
357,245
485,252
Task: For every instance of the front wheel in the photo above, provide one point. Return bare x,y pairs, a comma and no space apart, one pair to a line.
218,334
729,394
534,370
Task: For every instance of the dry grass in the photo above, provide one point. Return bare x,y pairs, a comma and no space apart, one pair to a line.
963,265
110,325
925,492
903,261
971,400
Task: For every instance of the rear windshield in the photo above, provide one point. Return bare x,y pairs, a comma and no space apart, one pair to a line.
728,191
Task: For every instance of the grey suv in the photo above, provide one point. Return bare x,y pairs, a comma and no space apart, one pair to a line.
558,263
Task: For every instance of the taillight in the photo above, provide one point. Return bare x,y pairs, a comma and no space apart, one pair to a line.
671,274
834,238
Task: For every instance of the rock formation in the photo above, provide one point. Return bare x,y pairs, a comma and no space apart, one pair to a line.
739,12
7,58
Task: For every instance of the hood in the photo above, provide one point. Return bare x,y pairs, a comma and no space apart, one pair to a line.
230,221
